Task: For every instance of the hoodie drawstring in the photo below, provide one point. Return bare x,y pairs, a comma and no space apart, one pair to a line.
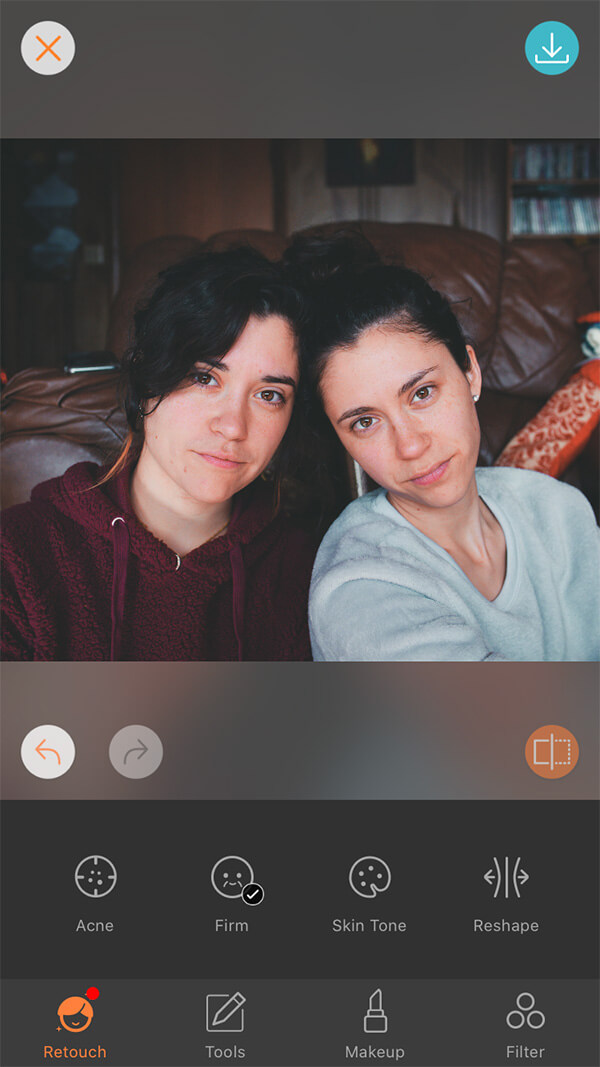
239,595
120,535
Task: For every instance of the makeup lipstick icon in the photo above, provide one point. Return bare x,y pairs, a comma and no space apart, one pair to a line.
376,1021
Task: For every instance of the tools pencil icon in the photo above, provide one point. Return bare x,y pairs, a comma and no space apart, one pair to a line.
225,1013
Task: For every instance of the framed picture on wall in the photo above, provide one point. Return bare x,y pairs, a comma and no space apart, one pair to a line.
369,161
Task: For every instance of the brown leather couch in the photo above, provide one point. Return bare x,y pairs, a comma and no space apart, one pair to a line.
517,302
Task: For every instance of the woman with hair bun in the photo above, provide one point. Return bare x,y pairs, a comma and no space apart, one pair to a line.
445,561
177,552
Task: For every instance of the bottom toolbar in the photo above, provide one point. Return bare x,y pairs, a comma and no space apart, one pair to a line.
396,889
300,1023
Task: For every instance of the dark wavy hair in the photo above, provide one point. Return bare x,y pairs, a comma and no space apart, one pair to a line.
349,289
196,313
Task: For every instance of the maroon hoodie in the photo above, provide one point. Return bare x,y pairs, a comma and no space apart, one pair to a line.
84,580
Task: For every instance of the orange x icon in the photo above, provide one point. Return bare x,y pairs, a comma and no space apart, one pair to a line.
47,48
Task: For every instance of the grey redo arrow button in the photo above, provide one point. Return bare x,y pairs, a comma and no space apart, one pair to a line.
136,751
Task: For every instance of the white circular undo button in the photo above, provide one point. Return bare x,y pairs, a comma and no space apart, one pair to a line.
48,751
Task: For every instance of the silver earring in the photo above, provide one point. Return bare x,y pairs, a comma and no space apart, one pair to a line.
475,397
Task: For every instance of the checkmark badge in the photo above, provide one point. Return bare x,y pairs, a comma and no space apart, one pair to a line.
253,894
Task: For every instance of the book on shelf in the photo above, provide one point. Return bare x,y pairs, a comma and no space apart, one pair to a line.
555,214
555,161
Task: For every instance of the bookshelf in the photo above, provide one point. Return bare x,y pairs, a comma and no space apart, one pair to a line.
553,190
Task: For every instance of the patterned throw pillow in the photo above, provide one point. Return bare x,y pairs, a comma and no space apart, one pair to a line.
561,430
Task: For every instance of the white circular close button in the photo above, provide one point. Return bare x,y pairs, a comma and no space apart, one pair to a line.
48,48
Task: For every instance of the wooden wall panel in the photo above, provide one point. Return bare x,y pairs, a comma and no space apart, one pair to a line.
195,188
457,183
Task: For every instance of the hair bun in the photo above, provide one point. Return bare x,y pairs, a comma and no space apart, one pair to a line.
316,257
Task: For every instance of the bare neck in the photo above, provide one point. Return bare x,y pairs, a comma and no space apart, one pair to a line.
169,513
463,528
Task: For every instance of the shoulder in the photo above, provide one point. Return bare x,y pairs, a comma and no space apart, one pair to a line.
50,495
358,527
297,546
22,524
263,531
29,529
371,538
372,554
534,496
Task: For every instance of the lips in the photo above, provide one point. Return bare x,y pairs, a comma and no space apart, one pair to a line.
432,475
224,462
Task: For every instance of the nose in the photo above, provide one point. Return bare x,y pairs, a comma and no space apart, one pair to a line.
411,440
230,421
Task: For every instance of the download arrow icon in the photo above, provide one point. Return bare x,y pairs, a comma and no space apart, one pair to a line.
552,51
551,47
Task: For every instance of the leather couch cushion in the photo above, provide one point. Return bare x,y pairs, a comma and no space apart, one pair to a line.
542,294
52,420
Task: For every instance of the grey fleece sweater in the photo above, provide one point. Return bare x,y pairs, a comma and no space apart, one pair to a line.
382,590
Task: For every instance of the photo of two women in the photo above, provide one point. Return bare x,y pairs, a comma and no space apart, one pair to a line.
300,400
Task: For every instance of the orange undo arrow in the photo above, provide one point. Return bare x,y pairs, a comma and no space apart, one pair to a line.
40,750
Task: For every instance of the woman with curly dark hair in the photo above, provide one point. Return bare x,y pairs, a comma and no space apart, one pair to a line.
178,551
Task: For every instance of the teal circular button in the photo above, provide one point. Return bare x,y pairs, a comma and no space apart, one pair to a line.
552,47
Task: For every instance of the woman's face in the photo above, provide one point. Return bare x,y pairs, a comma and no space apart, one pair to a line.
219,430
404,410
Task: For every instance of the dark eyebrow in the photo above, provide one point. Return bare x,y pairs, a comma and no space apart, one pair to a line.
283,379
415,378
403,389
270,379
352,414
212,362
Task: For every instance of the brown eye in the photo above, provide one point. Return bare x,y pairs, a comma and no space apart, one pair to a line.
423,393
364,423
203,377
272,396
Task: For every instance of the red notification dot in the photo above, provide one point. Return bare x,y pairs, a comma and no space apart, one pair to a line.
92,993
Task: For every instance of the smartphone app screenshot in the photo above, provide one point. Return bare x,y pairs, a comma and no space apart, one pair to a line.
300,390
